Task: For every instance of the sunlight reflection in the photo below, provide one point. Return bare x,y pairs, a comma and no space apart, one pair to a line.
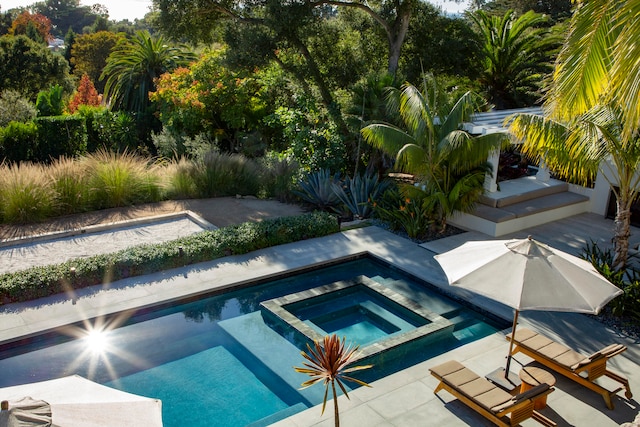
97,341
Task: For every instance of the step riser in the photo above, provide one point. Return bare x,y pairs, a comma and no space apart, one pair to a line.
471,222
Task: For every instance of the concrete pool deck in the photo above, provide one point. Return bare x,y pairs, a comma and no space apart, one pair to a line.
402,399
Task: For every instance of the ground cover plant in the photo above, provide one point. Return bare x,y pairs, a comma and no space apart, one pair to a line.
38,282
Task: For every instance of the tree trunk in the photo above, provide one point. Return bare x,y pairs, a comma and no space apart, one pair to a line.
622,230
336,414
397,33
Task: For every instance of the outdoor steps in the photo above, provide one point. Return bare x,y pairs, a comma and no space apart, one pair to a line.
522,203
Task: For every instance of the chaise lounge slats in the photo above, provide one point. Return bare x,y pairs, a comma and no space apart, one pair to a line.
573,365
486,398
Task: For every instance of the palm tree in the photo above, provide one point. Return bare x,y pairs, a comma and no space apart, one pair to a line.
593,99
134,65
431,144
328,363
515,56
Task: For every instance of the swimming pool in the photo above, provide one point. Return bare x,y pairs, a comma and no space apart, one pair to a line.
216,361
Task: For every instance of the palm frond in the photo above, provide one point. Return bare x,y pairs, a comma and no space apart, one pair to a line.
583,65
625,73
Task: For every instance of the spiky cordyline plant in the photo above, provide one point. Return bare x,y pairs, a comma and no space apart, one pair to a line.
329,362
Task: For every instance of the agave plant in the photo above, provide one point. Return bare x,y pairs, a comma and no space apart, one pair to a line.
328,363
359,193
317,188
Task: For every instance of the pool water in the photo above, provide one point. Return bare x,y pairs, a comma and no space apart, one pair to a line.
217,362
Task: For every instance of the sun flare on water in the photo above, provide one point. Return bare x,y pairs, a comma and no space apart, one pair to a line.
96,340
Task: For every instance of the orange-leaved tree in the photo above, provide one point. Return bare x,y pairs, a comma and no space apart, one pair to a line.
85,95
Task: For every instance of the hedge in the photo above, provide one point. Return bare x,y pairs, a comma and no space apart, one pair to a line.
38,282
43,139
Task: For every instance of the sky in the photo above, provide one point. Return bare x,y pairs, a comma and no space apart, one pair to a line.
132,9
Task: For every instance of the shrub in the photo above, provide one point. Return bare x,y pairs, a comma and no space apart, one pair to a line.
49,102
628,304
403,212
26,193
179,180
219,174
107,130
18,141
145,259
70,182
278,175
316,188
121,180
60,136
15,108
359,193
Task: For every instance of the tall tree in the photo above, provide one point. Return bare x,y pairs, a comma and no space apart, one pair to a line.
131,73
134,65
515,55
30,67
196,20
90,52
41,23
593,113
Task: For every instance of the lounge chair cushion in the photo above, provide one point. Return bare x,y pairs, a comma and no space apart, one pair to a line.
470,384
605,352
550,349
529,394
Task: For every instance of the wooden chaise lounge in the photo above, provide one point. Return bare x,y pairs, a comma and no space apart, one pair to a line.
571,364
484,397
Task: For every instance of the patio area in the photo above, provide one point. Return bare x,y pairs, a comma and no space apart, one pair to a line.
405,398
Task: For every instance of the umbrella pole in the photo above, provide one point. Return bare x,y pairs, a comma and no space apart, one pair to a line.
513,333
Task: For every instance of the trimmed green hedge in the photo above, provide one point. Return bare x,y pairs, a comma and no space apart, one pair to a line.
43,281
43,139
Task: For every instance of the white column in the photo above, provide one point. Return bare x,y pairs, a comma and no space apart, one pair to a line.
491,180
543,171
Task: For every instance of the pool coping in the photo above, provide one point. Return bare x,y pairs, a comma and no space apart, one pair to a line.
435,323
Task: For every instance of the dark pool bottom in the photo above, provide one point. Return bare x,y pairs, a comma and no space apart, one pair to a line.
223,361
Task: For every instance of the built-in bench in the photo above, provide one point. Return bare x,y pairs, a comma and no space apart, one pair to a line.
528,207
512,199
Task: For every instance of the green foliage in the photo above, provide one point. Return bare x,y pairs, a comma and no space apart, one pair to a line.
628,279
181,184
316,188
405,212
171,144
360,192
220,174
109,130
210,97
18,141
49,102
30,67
43,139
431,144
121,180
26,193
439,44
134,65
278,176
70,182
60,136
308,137
38,282
516,53
89,55
15,108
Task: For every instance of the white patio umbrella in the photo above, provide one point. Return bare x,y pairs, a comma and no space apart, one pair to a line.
78,402
527,275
